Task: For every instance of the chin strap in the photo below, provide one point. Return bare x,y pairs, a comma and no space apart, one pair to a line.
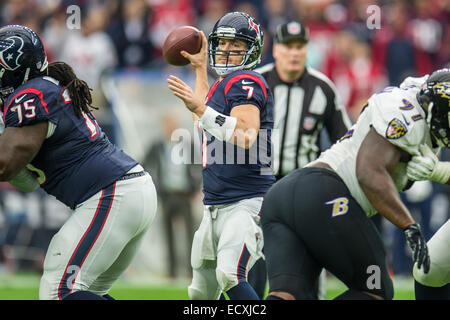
27,74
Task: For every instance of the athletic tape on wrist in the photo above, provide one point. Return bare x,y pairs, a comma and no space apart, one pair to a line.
219,125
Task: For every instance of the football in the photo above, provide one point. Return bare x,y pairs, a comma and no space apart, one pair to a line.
185,38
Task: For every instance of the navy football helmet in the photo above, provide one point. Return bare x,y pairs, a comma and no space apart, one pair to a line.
435,95
22,57
236,25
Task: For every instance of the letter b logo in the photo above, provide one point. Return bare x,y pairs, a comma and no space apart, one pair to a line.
340,206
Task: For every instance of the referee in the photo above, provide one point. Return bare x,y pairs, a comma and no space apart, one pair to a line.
305,102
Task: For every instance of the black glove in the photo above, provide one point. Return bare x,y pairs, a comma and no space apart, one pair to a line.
417,243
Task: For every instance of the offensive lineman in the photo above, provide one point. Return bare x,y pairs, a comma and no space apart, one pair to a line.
328,202
238,109
51,133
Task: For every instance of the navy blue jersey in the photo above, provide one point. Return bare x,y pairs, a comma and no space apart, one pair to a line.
77,160
231,173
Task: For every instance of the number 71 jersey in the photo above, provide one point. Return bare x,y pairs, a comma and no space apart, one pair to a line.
76,159
396,115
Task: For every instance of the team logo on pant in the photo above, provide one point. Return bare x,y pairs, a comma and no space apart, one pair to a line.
340,206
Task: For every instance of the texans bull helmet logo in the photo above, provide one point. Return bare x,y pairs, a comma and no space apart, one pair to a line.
10,52
255,26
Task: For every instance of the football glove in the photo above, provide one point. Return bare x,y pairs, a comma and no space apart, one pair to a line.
417,243
428,167
25,181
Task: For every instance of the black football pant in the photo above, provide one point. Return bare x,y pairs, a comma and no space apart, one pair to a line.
310,221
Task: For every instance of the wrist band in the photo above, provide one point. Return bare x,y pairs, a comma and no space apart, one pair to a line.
219,125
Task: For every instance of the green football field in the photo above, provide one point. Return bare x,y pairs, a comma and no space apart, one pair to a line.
26,287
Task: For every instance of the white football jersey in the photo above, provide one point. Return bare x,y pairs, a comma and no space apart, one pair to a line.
396,115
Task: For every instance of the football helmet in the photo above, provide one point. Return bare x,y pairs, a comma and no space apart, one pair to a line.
236,25
22,57
435,96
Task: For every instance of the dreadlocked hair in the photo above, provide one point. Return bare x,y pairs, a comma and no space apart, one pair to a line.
79,91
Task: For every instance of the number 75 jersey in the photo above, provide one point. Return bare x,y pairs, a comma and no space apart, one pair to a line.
76,159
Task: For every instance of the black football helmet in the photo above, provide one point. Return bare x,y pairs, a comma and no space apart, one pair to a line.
22,57
236,25
435,96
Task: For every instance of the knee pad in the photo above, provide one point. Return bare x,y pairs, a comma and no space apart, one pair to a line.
436,277
196,293
203,291
226,280
48,289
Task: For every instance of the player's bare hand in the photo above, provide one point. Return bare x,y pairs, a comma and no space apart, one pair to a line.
198,60
185,93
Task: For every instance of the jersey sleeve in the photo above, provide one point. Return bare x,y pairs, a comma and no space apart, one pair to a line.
394,124
2,124
29,106
246,89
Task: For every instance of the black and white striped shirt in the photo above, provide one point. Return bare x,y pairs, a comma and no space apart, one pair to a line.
301,110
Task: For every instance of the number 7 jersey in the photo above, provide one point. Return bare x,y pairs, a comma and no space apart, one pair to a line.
76,160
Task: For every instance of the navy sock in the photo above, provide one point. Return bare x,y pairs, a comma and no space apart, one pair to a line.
83,295
108,297
243,291
431,293
222,297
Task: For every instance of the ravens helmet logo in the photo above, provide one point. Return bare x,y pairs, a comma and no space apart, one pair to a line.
442,89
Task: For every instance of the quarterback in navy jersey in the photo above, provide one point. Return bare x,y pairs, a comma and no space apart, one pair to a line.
51,139
236,119
226,179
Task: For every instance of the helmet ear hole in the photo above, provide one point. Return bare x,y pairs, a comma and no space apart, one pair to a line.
423,97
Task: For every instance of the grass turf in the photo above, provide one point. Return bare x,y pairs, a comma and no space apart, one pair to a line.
26,287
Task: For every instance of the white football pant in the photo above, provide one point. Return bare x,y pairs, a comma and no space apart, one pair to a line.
439,250
226,245
98,242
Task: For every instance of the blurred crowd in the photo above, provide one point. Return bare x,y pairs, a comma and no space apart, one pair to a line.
361,45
